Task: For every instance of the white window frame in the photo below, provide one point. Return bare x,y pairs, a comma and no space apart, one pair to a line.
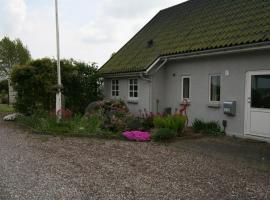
209,89
129,97
114,90
182,88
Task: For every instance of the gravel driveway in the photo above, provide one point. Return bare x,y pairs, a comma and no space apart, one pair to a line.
40,167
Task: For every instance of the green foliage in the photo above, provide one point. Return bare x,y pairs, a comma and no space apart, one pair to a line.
82,84
77,126
175,123
4,91
35,81
148,123
5,108
115,114
134,124
163,134
4,86
212,128
12,53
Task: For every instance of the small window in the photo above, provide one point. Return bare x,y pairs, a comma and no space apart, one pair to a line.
133,88
115,88
186,87
215,88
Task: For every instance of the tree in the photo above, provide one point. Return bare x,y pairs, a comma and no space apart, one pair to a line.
12,53
35,83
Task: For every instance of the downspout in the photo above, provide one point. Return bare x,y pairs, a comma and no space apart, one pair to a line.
150,79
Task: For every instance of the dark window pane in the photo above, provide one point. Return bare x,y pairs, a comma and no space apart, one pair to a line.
260,91
131,94
186,86
113,93
135,87
135,94
131,88
117,93
215,88
135,81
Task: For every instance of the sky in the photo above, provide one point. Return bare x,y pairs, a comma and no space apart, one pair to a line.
90,30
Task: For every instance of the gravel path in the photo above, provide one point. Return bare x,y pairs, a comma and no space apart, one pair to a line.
36,167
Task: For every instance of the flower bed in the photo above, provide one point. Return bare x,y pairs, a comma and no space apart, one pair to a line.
139,136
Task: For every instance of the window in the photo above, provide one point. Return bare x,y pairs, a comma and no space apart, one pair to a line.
215,88
186,87
260,91
115,88
133,88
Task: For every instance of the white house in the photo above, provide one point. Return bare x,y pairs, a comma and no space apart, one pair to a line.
215,54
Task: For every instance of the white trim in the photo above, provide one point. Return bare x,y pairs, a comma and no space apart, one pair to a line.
209,88
248,103
115,97
133,98
182,87
212,52
152,66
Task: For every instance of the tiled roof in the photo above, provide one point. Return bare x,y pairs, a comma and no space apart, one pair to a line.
195,25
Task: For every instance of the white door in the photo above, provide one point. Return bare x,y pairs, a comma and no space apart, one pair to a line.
257,122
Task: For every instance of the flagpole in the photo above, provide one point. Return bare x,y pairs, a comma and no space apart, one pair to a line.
59,83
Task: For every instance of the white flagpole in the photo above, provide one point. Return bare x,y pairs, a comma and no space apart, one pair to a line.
58,94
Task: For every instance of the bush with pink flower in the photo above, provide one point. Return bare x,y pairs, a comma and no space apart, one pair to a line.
139,136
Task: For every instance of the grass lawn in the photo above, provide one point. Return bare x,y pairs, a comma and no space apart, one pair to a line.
5,108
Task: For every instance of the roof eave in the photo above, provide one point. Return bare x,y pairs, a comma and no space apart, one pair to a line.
221,51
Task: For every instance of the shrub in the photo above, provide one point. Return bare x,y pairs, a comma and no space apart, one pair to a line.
4,91
163,134
198,125
75,126
175,123
211,127
148,123
134,123
137,136
4,86
36,81
147,119
114,114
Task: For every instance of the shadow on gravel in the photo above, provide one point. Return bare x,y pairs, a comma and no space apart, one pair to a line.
254,153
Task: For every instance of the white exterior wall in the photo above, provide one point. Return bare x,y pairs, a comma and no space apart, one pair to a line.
232,86
144,92
166,86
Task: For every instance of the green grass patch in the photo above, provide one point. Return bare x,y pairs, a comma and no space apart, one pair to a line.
78,126
210,128
5,108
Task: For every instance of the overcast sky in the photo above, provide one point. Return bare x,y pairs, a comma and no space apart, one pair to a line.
90,30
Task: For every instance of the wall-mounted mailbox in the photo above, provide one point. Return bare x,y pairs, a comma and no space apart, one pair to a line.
229,108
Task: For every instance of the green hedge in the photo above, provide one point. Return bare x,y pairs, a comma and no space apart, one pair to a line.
35,81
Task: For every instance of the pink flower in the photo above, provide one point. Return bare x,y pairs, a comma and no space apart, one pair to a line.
137,136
